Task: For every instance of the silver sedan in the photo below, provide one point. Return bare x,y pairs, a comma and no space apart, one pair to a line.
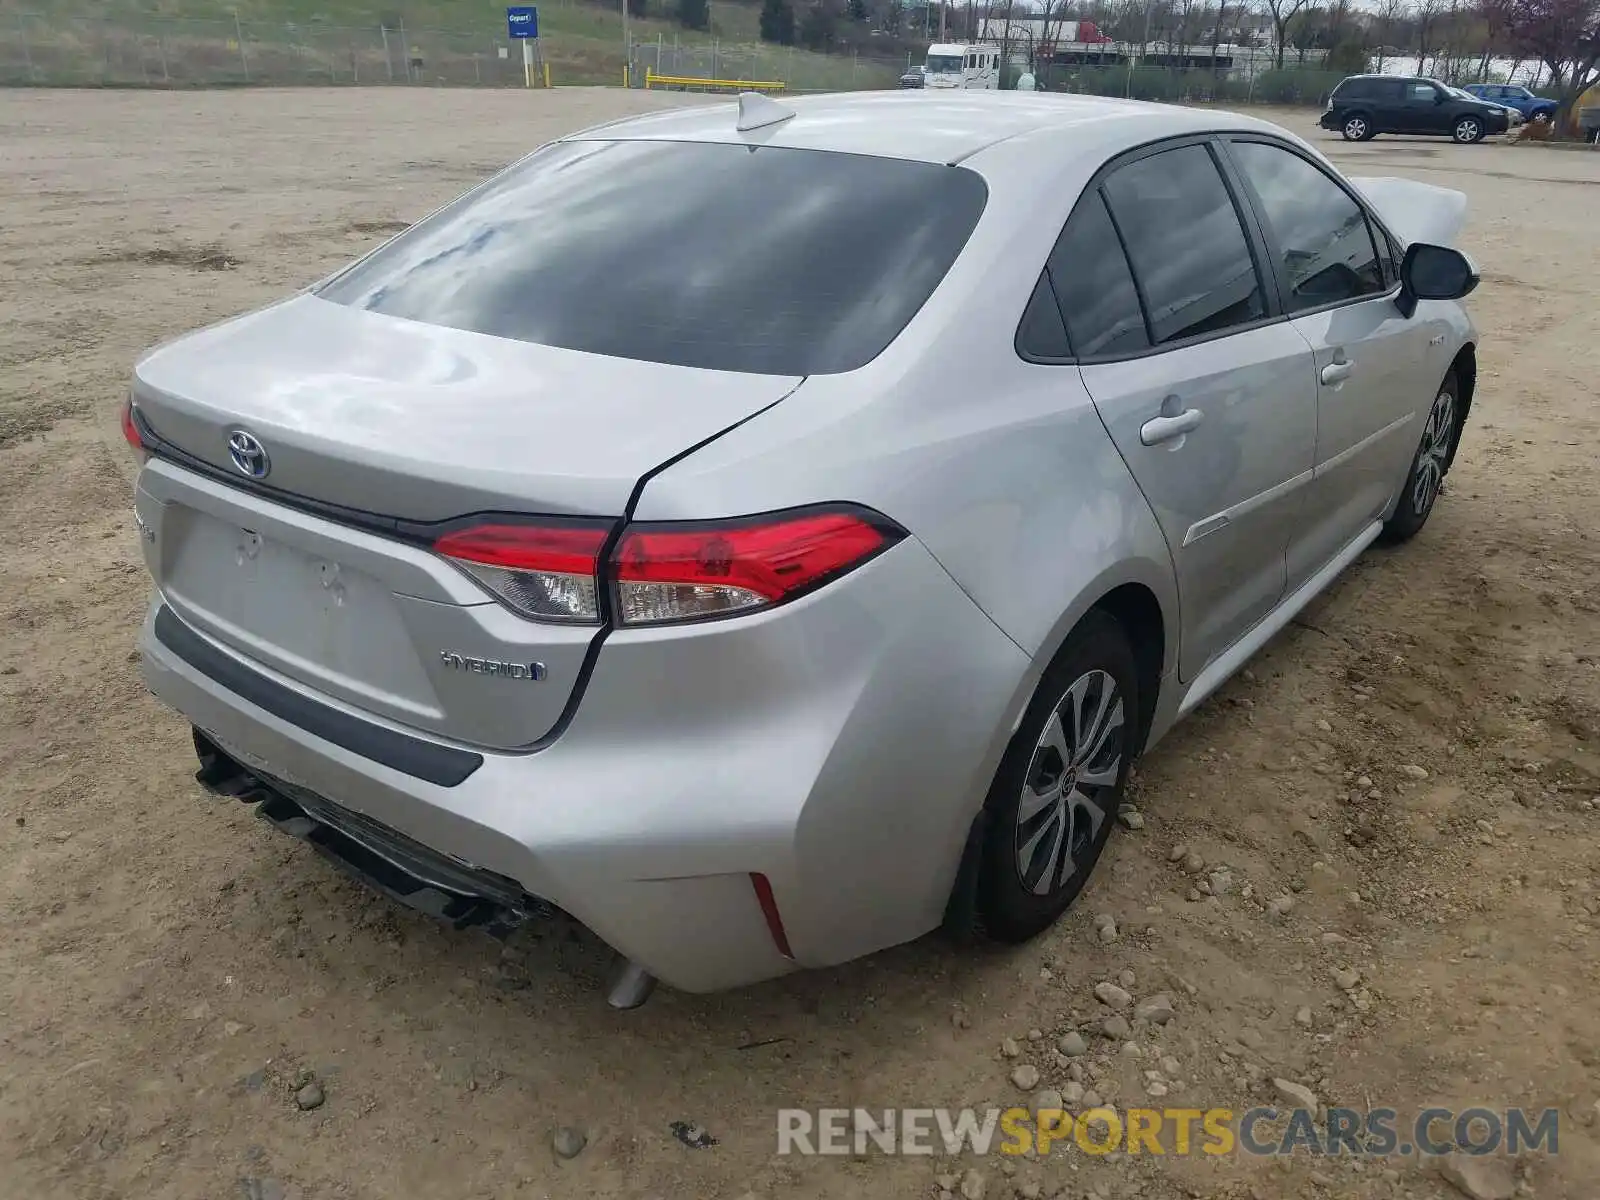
769,532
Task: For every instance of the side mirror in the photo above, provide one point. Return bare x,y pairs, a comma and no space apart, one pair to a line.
1430,272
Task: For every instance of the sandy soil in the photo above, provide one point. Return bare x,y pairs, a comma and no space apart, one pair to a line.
170,966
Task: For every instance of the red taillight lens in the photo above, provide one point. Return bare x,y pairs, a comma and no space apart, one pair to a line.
694,571
130,426
546,571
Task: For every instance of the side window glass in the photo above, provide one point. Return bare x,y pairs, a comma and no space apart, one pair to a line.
1420,93
1042,335
1321,233
1186,245
1092,281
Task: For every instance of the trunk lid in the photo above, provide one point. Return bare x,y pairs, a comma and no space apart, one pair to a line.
403,425
427,423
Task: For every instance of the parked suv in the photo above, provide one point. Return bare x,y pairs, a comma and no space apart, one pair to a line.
1513,96
1366,105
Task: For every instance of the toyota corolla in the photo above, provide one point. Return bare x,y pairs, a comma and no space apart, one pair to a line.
769,532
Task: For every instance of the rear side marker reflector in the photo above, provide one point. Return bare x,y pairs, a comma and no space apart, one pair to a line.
666,573
769,910
130,427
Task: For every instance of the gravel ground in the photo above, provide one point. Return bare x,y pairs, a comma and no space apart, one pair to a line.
1366,869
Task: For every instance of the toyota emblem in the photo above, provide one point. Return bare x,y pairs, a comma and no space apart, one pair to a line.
248,454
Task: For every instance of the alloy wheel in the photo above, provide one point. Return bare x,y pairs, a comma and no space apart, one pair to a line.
1355,129
1467,131
1070,783
1434,453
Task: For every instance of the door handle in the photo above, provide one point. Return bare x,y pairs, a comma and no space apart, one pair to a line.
1337,371
1163,429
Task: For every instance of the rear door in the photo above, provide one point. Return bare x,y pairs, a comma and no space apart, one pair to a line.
1209,400
1371,362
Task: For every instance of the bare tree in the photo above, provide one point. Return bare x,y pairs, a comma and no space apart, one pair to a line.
1216,33
1387,14
1427,30
1562,34
1282,12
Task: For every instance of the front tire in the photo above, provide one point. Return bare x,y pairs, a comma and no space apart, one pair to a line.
1420,491
1054,800
1468,130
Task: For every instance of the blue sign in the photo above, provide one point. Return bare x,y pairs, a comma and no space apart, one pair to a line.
522,21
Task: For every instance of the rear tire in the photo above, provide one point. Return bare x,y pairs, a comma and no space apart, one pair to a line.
1424,480
1357,127
1055,797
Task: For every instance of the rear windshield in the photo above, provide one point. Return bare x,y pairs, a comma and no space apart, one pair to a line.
765,260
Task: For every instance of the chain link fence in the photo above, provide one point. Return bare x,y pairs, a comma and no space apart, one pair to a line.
796,70
53,50
57,50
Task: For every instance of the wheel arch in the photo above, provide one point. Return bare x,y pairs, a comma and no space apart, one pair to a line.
1136,608
1465,368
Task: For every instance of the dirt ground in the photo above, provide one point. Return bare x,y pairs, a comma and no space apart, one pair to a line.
170,966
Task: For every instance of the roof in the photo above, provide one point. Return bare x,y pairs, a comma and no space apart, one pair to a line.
940,126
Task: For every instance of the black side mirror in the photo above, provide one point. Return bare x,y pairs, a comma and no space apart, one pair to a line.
1433,273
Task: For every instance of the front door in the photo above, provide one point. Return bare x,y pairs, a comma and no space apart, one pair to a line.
1422,109
1212,406
1371,363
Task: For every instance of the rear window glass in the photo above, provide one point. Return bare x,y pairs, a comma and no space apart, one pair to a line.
764,260
1368,89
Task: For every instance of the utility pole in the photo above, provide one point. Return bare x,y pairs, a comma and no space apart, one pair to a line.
627,48
943,8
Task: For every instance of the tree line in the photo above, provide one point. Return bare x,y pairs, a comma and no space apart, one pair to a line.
1554,43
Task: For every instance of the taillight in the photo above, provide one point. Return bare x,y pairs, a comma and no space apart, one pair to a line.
130,426
693,571
544,570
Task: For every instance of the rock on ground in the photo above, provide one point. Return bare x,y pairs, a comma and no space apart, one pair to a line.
1479,1178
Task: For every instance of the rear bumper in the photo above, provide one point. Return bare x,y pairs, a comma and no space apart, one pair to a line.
839,746
1329,120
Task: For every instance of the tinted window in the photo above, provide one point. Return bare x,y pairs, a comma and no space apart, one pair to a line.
1092,281
1321,233
1188,250
1042,335
777,261
1421,93
1367,89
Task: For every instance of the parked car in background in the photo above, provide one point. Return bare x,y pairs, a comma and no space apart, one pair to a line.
1512,115
1363,106
1515,97
914,77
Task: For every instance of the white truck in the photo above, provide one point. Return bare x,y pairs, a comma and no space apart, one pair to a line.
973,66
